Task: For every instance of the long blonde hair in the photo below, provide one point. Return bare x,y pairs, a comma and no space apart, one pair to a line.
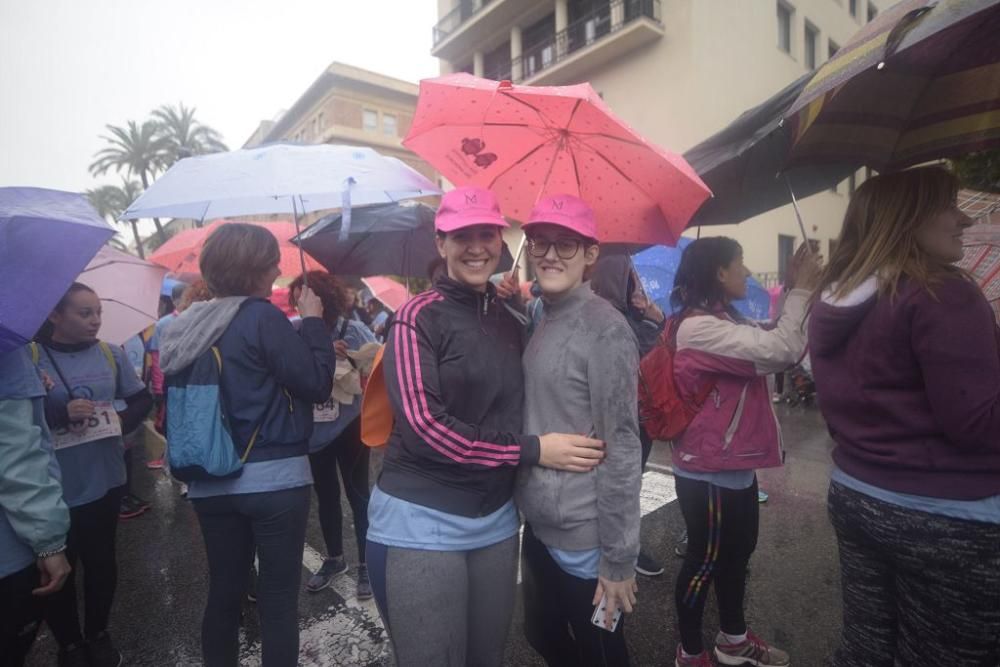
879,232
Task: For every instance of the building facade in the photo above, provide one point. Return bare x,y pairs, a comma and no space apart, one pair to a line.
353,106
676,70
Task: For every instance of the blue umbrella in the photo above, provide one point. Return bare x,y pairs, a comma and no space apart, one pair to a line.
46,239
658,265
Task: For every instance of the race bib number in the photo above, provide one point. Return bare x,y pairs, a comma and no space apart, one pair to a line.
326,412
104,423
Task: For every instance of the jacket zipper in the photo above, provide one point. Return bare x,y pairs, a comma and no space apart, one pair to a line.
737,416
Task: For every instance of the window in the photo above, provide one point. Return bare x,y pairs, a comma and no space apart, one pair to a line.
369,120
784,27
315,128
854,8
321,121
812,39
833,48
389,124
872,12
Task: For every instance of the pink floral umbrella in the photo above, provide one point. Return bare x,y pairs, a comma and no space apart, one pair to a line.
525,142
982,260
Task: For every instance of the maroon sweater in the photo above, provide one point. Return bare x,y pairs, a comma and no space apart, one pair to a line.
910,389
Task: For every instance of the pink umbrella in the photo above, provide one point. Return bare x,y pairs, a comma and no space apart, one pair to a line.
181,252
129,289
388,291
982,260
525,142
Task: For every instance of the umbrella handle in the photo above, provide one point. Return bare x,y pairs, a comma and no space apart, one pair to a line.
798,214
302,254
520,252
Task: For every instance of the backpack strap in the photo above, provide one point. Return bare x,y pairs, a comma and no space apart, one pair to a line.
253,438
35,356
109,355
343,329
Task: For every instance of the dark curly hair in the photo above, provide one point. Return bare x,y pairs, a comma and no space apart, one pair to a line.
330,289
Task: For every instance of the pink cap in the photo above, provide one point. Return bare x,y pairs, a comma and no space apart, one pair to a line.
468,206
566,211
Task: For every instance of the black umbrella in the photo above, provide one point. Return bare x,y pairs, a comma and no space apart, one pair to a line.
743,164
386,239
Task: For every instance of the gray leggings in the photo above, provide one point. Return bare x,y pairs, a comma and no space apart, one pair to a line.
446,608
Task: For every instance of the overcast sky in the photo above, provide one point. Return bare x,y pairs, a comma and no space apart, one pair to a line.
68,67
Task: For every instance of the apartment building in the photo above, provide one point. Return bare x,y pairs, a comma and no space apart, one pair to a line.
676,70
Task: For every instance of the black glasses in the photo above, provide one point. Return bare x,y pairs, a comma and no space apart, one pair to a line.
565,248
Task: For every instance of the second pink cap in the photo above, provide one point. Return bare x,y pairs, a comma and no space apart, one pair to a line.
566,211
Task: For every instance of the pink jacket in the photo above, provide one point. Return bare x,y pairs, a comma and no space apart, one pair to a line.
736,428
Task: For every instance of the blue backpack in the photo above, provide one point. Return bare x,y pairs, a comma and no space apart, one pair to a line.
199,440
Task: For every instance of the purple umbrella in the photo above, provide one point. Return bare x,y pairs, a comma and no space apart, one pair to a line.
46,239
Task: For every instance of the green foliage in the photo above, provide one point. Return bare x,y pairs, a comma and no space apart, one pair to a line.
979,171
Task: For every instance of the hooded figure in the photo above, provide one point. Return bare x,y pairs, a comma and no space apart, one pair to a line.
614,279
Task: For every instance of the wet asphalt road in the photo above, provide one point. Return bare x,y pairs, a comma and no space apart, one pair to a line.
793,597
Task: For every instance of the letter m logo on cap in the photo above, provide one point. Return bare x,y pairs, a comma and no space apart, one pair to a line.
470,198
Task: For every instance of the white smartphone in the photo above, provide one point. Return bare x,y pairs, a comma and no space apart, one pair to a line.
598,617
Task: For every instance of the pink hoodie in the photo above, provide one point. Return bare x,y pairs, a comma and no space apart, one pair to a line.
736,429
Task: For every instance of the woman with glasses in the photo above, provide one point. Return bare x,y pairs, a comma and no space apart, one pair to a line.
442,536
581,539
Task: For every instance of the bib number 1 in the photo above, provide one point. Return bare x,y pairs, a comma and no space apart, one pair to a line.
104,423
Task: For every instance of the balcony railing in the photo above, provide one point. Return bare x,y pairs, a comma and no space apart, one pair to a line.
582,33
499,72
451,21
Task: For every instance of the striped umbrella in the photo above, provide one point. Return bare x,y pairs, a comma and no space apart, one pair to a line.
982,260
920,82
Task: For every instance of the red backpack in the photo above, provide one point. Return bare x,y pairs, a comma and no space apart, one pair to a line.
663,412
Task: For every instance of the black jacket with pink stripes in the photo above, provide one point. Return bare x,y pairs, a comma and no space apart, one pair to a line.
453,372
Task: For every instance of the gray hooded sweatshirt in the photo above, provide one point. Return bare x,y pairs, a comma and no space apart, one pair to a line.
580,371
195,331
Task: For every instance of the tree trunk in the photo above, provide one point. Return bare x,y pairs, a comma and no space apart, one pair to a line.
156,221
138,239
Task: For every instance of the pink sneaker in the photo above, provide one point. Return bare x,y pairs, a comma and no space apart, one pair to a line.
752,651
703,660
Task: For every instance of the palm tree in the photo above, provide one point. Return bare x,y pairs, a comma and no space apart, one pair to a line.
184,134
112,200
139,150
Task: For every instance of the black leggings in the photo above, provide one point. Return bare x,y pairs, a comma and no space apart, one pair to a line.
20,615
557,612
348,453
91,541
722,535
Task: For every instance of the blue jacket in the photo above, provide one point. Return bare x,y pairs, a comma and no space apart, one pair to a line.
271,374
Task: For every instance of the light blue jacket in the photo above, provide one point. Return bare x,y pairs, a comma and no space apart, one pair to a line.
33,516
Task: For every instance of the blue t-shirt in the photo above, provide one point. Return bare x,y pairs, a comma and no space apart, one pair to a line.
154,340
395,522
93,468
986,510
257,477
735,480
580,564
355,335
